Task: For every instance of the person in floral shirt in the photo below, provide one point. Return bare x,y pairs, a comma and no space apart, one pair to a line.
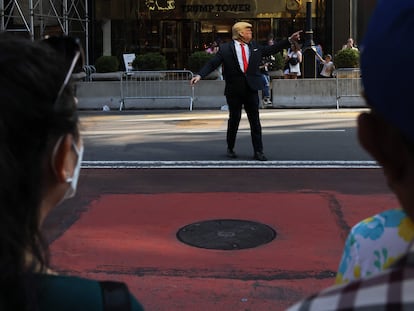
374,244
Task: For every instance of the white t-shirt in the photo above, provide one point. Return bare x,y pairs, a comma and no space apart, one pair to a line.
327,69
294,68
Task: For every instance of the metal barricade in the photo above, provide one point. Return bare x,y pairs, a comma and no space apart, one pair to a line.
89,70
168,84
348,83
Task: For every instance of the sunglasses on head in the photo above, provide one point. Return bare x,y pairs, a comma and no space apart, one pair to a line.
71,50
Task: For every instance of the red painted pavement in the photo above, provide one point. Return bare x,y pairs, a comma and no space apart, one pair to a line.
132,237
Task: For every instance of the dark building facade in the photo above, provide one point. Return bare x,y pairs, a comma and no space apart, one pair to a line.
177,28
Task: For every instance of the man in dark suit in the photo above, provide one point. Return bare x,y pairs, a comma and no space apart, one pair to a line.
241,59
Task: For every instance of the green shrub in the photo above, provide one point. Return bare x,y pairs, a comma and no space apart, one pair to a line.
107,64
347,58
150,61
197,60
278,63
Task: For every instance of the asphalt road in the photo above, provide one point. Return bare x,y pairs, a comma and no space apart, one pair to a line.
147,174
289,136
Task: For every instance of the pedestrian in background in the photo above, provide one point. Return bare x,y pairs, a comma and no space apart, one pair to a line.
265,66
293,61
350,44
319,54
213,49
328,67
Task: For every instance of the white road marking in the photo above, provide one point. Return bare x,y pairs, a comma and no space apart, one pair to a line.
186,131
228,164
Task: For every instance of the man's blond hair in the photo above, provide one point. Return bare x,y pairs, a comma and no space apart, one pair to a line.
238,27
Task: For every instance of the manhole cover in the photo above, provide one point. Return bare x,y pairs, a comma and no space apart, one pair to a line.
226,234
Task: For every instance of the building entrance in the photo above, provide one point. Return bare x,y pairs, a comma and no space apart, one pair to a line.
180,38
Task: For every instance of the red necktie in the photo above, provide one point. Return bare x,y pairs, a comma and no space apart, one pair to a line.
245,63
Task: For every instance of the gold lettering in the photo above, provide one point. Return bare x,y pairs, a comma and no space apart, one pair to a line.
195,8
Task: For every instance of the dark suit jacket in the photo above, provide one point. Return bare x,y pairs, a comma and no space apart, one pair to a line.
234,76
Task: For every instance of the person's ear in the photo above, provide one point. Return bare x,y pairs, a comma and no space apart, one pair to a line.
384,143
62,160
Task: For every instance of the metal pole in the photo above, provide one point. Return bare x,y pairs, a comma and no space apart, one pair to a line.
351,26
31,10
42,24
333,49
86,33
354,23
308,32
65,17
2,27
309,50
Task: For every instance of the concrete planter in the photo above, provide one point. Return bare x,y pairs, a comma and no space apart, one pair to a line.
209,94
313,93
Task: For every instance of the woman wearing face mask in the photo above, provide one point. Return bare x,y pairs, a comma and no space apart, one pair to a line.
40,157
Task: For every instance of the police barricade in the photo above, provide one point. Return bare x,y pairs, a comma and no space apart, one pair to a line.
348,83
163,85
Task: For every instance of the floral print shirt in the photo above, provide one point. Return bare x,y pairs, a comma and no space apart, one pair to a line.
374,244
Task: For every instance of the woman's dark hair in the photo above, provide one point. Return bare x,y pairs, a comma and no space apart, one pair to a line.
31,121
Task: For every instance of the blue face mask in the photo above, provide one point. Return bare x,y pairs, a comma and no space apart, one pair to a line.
74,179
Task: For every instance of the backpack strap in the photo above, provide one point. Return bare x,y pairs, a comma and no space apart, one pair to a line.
115,296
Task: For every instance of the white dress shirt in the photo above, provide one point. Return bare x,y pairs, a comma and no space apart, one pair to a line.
239,53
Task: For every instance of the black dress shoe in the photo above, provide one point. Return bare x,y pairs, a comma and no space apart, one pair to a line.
259,156
231,154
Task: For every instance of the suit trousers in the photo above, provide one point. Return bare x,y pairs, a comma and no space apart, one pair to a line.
250,100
